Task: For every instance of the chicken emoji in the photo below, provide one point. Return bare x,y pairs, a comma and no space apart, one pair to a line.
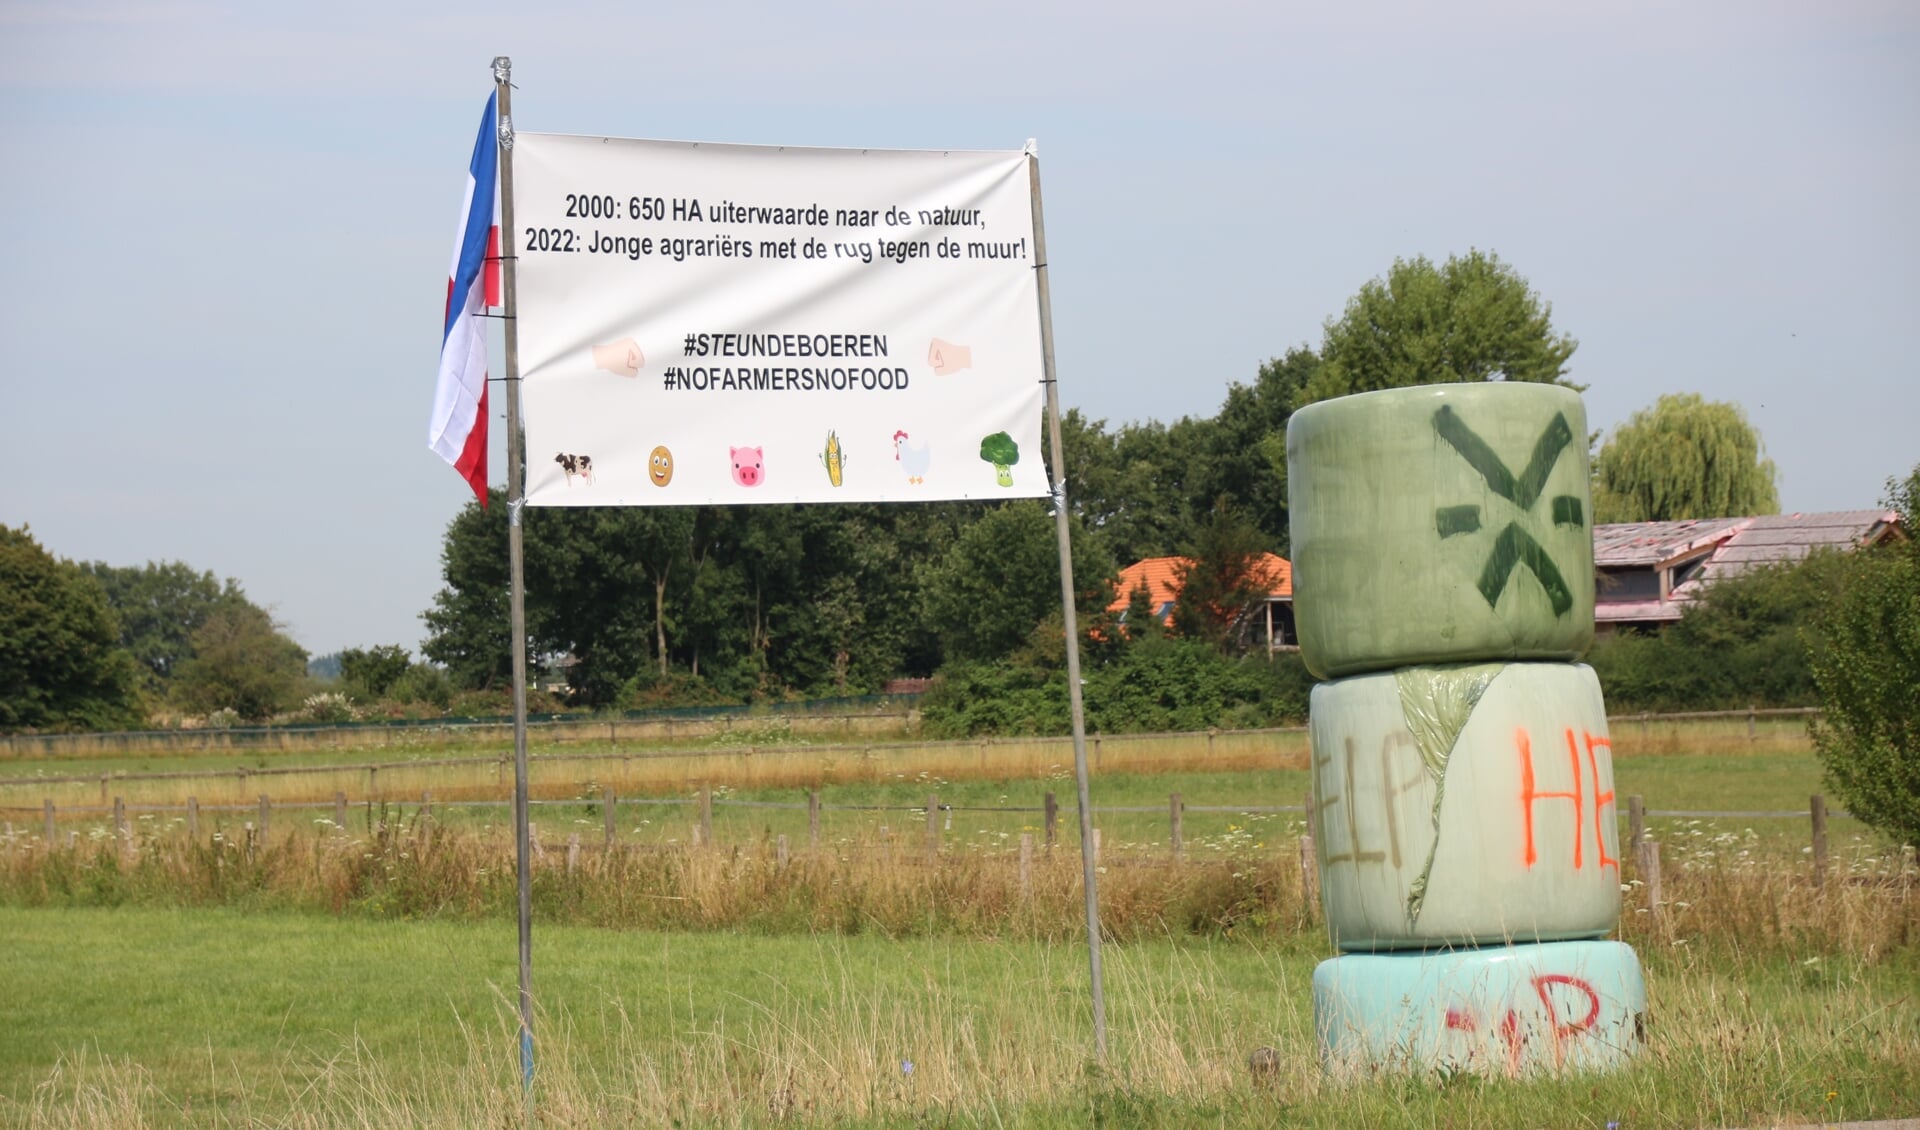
912,457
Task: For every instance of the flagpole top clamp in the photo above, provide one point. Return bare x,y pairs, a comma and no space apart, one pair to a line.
502,68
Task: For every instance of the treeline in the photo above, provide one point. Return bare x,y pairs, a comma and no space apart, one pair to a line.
93,646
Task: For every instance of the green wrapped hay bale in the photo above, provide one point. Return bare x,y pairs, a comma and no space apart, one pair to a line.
1502,1011
1441,524
1465,805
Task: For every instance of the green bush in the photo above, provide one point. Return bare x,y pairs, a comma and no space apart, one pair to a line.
423,683
1866,662
1154,685
1737,646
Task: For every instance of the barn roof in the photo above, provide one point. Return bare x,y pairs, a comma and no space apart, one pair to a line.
1646,544
1791,537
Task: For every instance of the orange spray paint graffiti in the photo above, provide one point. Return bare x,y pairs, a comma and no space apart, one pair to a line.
1529,796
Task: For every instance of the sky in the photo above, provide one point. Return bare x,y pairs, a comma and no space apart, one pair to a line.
229,223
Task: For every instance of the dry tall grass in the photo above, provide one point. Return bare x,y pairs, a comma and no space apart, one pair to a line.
1728,890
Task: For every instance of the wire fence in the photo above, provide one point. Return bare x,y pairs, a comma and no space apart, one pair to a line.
617,730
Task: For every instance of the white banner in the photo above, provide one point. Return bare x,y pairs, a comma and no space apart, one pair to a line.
737,324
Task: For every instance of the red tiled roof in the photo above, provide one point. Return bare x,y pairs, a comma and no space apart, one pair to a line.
1162,578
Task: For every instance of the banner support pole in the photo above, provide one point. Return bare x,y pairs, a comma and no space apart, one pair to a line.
517,601
1088,871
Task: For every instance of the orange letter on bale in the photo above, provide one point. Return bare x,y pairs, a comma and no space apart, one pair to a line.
1528,796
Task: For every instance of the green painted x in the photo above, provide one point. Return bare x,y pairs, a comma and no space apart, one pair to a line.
1513,547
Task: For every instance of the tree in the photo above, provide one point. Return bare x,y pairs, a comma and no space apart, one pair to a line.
1866,663
1001,579
159,606
1222,583
242,662
467,627
61,664
371,672
1685,457
1470,319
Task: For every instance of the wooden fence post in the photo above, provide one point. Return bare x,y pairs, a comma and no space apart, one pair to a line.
1053,819
266,809
1176,813
933,827
1636,823
340,811
606,804
46,811
706,814
1309,872
120,817
573,853
1026,863
1818,805
1648,860
1750,731
103,789
813,819
1096,847
193,817
886,845
780,851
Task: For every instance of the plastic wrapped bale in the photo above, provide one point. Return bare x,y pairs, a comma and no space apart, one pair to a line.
1508,1010
1465,805
1441,524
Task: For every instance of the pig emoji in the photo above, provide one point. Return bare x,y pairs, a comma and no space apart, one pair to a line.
748,466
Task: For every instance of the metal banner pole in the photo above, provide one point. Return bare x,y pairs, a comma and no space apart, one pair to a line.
1087,862
516,486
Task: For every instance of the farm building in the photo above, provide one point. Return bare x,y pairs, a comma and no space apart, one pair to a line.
1647,572
1160,576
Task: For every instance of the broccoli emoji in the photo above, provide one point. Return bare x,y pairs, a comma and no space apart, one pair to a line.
1000,450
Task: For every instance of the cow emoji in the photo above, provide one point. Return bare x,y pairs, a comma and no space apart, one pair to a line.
581,465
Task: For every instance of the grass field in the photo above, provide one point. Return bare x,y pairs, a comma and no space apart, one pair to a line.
361,976
221,1018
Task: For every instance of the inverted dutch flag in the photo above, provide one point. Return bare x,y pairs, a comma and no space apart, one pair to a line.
458,430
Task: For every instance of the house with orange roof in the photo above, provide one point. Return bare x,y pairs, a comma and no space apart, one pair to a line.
1160,576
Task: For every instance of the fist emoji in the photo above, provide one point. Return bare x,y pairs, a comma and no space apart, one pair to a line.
946,357
622,358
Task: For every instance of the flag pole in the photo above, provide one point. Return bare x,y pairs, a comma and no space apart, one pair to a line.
517,601
1088,871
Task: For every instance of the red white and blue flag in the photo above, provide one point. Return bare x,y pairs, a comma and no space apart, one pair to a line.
458,430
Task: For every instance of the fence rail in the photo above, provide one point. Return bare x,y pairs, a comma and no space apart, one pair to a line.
824,715
1635,815
616,729
888,711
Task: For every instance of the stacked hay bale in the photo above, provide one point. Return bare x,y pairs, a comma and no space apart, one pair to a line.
1463,778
